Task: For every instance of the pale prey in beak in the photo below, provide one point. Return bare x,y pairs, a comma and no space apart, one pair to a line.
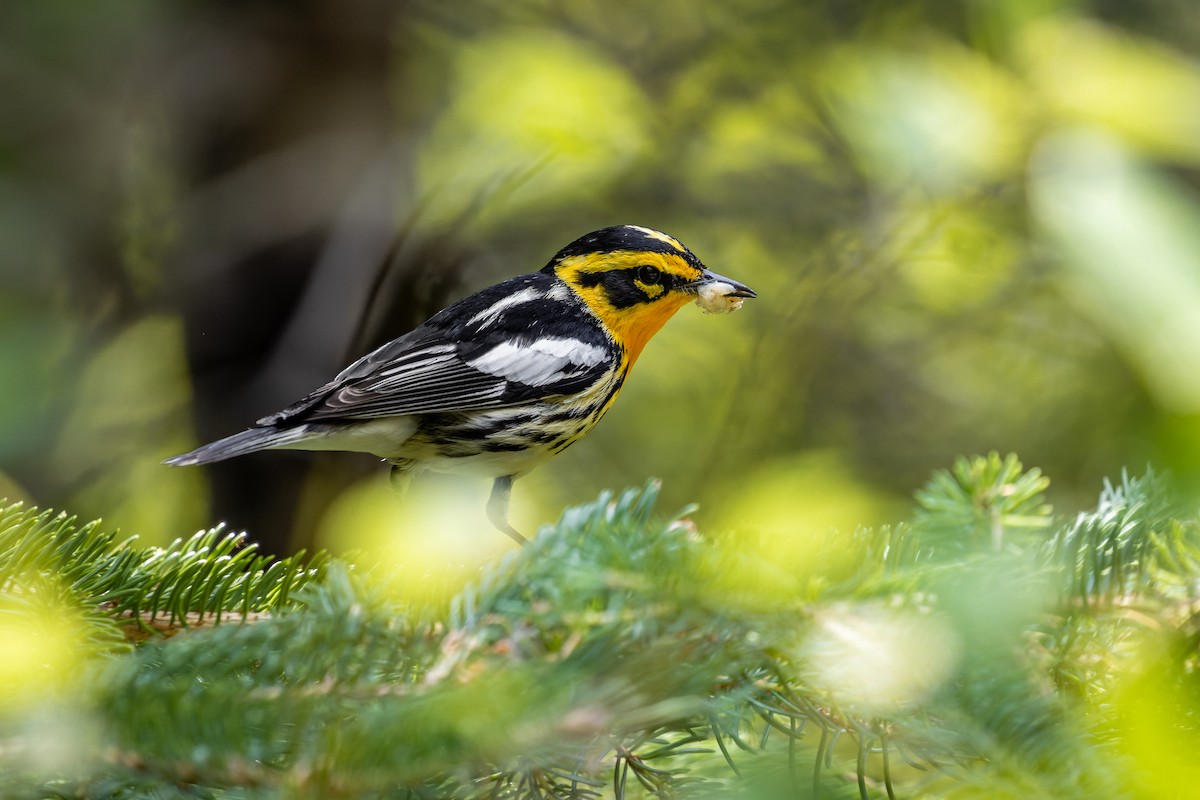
717,294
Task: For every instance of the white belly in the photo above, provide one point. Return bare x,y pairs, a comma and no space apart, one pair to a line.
489,442
384,437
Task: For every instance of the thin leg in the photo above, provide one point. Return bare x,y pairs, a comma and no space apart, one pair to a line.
497,508
401,477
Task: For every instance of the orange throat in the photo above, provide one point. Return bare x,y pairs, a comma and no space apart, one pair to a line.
633,327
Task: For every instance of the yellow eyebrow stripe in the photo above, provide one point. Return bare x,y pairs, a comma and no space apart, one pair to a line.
662,237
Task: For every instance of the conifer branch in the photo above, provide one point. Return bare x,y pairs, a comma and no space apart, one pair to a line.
601,661
210,577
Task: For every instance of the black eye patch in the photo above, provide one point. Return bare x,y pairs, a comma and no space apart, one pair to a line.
619,284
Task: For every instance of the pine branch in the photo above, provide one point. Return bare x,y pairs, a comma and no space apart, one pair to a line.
606,659
1132,544
211,576
982,503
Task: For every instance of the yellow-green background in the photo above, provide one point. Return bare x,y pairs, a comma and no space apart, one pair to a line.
972,226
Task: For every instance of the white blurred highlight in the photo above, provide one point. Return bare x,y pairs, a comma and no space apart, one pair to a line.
880,659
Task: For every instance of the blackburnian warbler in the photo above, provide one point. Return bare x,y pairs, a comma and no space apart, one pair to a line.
507,378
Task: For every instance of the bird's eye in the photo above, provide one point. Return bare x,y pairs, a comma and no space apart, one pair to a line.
648,274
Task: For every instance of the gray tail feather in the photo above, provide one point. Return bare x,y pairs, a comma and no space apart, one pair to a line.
239,444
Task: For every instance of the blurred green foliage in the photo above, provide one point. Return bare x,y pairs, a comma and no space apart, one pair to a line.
985,647
972,226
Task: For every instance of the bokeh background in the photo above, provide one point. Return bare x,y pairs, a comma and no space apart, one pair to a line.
972,226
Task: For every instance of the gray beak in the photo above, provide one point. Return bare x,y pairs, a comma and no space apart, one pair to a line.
739,289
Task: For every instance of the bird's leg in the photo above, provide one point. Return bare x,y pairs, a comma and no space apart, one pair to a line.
401,476
497,508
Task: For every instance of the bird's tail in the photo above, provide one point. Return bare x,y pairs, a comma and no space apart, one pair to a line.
239,444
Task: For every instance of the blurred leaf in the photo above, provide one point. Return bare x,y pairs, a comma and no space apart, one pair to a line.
1128,86
939,117
425,545
787,529
1155,707
1131,241
130,410
953,257
149,219
536,107
36,360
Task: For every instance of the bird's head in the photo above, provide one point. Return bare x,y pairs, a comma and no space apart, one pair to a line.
635,279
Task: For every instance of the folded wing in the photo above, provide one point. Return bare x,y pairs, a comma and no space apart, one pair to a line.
519,354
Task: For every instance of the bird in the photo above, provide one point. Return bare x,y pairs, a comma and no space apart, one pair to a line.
505,379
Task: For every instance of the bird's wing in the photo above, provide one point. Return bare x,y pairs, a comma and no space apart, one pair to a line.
465,358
